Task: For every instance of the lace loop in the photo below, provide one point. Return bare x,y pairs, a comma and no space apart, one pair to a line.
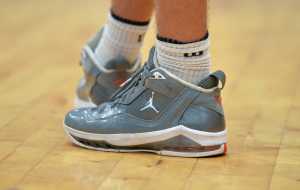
129,89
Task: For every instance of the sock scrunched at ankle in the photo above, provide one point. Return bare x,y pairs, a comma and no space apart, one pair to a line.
120,37
188,61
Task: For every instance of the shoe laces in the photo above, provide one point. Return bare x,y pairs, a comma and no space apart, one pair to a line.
129,88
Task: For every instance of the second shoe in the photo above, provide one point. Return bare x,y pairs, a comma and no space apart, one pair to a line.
99,83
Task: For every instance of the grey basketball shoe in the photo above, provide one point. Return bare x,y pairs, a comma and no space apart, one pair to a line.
99,83
155,112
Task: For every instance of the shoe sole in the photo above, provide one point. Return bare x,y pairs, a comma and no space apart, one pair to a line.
207,143
79,103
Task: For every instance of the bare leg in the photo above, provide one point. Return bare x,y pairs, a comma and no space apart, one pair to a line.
182,20
135,10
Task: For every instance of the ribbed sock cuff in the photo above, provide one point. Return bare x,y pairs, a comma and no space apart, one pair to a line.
189,61
128,21
173,41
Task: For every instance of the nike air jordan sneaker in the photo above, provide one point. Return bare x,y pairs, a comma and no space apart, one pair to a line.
155,111
99,83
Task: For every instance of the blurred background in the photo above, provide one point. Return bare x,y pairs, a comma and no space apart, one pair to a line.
255,42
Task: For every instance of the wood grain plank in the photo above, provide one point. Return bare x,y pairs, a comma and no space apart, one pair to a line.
255,42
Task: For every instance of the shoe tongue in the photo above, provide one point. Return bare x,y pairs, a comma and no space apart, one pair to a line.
209,82
150,63
118,64
213,80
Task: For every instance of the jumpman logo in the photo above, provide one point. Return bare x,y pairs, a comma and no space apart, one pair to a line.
149,104
157,75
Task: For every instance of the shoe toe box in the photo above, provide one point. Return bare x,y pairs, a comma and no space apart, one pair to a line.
90,120
76,118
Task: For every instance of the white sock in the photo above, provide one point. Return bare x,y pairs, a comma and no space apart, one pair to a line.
190,62
120,39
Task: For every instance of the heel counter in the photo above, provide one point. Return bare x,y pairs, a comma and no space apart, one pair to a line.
205,114
203,119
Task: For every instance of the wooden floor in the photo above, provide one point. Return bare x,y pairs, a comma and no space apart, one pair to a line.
255,42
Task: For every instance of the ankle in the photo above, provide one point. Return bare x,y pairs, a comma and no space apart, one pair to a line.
189,61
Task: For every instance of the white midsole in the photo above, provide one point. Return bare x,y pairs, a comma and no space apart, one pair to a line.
201,137
219,151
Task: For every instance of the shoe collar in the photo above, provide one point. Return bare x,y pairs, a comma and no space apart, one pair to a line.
87,52
219,86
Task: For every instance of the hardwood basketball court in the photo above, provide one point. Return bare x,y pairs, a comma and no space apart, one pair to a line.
255,42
